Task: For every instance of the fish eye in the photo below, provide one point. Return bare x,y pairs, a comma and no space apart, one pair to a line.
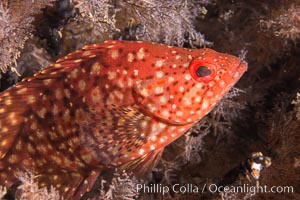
202,70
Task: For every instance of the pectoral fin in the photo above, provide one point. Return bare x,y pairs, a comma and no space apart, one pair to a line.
143,165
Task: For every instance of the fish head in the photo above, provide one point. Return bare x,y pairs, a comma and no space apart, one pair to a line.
189,84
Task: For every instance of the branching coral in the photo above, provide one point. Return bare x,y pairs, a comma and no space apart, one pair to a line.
147,20
284,22
29,189
15,28
122,187
150,21
296,103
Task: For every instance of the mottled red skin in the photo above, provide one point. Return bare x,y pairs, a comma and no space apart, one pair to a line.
116,104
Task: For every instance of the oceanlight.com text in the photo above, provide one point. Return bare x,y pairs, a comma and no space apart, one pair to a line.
252,190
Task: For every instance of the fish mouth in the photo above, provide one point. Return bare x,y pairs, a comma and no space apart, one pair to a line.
238,72
242,68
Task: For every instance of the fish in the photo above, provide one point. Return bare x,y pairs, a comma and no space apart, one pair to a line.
115,104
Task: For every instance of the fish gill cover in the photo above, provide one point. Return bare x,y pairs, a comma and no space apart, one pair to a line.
259,114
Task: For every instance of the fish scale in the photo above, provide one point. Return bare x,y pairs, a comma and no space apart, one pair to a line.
117,104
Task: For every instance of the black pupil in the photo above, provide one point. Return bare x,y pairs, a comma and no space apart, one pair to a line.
203,71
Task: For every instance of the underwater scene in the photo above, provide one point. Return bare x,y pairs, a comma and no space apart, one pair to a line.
149,99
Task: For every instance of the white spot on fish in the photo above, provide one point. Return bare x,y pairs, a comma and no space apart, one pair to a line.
67,93
158,90
187,77
12,117
135,72
162,140
187,64
41,113
48,81
118,94
114,54
55,109
22,91
165,113
152,147
153,138
179,113
141,152
204,104
159,74
199,85
141,54
144,124
86,53
8,102
211,83
236,74
111,75
222,83
31,99
74,73
81,85
171,79
144,92
152,108
95,95
129,82
162,125
189,120
130,57
95,69
197,99
209,93
77,61
181,88
159,63
163,100
58,94
187,101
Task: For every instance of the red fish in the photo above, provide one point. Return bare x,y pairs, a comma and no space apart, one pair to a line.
111,105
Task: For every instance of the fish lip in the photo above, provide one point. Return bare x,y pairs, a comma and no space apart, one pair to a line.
242,68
